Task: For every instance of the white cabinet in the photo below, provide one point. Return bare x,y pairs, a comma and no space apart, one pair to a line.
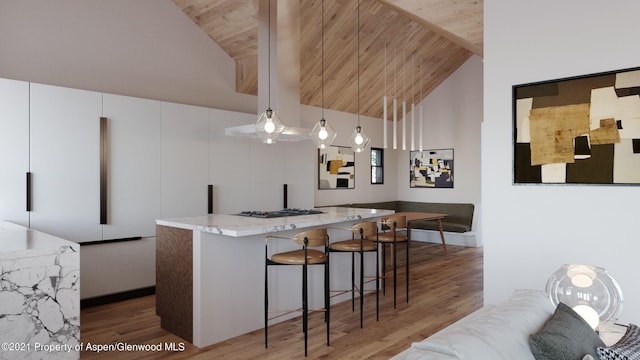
14,150
133,191
65,163
185,160
65,158
230,163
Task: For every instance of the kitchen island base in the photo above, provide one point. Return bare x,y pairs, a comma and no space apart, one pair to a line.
210,271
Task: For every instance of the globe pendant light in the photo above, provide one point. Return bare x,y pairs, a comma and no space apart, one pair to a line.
269,127
322,133
358,138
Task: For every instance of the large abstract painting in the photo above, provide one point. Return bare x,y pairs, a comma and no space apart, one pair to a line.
336,168
580,130
431,169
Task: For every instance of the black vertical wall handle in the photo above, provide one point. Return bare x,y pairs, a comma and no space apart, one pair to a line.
29,198
285,196
210,199
103,170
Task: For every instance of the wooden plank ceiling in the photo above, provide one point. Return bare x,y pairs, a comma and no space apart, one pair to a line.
425,41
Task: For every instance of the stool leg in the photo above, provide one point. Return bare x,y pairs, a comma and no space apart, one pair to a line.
266,303
361,284
395,276
407,270
327,300
304,306
377,283
353,282
384,269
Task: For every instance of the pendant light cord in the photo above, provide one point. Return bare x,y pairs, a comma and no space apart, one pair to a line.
358,62
269,56
322,57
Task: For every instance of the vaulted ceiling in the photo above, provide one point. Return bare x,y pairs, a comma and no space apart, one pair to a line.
423,42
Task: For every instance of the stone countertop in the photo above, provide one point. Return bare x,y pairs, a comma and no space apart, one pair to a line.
19,242
236,226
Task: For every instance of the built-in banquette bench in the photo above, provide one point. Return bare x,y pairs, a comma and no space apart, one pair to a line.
457,226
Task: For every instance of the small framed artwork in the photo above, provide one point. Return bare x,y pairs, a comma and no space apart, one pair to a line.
431,168
336,168
578,130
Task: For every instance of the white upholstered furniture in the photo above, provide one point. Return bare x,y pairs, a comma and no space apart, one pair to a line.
493,332
500,332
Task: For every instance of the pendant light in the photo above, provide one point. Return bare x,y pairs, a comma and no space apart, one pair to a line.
384,102
322,133
413,103
269,127
404,100
358,138
395,101
421,119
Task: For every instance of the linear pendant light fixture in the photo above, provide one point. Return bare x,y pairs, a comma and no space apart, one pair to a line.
413,103
404,100
322,133
269,127
358,138
395,101
421,119
384,102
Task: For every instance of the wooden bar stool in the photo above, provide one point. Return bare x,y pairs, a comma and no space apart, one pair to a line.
392,234
302,257
362,240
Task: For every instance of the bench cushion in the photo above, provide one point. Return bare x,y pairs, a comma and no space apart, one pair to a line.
459,219
446,226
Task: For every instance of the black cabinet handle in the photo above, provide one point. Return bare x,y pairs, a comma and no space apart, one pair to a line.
103,170
210,199
29,198
285,197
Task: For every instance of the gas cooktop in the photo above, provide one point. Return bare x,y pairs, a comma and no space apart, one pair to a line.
279,213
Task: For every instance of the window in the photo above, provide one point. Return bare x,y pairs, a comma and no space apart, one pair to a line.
377,166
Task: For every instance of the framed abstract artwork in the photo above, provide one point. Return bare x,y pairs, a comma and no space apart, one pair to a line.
336,168
578,130
431,168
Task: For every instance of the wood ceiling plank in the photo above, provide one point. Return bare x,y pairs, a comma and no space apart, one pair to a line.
460,21
232,24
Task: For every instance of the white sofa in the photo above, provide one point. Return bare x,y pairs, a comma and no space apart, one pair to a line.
493,332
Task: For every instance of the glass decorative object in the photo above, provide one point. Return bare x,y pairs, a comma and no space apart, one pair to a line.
589,290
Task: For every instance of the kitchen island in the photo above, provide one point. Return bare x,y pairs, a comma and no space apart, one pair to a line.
39,294
210,270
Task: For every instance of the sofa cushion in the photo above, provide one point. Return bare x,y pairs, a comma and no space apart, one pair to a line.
446,226
388,205
566,335
458,213
500,332
627,348
459,216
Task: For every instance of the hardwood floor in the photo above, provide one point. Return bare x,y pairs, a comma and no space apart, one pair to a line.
443,289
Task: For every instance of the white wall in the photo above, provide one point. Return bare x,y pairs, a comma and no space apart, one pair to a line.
152,50
453,115
529,231
344,123
142,48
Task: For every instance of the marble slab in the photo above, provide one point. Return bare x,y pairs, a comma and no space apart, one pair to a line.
39,294
236,226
